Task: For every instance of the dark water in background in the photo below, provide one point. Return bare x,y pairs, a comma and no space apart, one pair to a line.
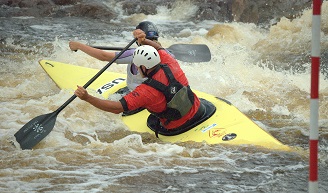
263,72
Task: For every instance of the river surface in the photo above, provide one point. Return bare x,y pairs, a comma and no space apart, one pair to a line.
264,72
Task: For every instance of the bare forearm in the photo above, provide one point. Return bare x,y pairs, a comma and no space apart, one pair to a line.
96,53
105,105
151,43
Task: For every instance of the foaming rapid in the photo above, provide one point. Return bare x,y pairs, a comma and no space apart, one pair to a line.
246,68
264,72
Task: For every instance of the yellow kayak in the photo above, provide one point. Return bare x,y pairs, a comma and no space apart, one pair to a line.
226,126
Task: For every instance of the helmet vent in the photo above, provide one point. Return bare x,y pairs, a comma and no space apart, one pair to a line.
155,54
149,58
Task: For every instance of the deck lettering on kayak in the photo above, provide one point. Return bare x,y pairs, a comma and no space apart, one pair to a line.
109,85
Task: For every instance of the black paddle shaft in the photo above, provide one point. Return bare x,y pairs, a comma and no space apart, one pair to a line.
39,127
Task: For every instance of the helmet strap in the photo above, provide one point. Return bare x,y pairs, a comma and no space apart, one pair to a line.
144,72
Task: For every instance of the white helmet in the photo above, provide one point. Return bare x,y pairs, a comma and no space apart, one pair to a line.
147,56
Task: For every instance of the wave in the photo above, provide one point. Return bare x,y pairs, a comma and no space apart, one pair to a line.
262,12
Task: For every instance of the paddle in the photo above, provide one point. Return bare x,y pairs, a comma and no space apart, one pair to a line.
39,127
183,52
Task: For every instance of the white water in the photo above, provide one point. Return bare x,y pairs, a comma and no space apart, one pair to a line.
92,151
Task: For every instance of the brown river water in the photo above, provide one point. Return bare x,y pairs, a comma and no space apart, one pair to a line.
265,73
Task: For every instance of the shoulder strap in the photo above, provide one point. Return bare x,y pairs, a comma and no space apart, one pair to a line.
168,91
168,73
155,84
158,85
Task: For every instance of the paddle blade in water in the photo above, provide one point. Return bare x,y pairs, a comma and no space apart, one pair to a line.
35,130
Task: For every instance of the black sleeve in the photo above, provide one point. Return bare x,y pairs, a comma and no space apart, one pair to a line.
124,104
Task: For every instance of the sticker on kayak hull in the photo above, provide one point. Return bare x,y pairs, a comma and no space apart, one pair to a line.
229,137
216,132
208,128
109,85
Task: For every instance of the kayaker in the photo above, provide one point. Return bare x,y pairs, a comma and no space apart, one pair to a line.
133,77
165,94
